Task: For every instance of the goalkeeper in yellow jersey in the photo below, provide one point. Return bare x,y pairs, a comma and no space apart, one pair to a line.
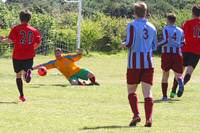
67,66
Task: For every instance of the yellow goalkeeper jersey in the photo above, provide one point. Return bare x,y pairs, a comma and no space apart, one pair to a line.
66,64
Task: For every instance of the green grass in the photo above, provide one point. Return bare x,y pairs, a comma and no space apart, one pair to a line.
53,106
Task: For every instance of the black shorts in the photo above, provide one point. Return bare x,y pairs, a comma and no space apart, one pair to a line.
190,59
20,65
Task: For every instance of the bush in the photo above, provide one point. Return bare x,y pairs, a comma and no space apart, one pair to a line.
63,38
114,31
44,24
91,32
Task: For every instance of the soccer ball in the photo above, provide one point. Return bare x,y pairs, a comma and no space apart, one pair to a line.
42,71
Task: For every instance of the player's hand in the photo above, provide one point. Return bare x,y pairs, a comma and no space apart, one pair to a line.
12,26
123,45
1,38
79,51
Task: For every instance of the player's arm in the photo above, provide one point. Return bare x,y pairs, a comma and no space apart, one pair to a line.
154,46
182,40
38,40
48,65
129,37
165,38
5,40
11,37
75,57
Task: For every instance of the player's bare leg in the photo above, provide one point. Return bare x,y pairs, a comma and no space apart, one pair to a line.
164,85
188,74
133,101
92,78
148,103
19,83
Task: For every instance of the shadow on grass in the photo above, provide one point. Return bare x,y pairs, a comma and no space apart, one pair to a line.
8,102
161,101
42,85
104,127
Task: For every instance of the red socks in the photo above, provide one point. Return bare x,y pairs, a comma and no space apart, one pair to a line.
164,89
93,79
148,106
133,101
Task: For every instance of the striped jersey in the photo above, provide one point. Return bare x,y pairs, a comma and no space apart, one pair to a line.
141,41
173,39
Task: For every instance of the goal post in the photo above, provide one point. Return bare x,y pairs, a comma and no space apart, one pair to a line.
71,42
78,43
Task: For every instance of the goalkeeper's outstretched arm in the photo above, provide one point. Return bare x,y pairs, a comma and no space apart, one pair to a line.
75,57
48,65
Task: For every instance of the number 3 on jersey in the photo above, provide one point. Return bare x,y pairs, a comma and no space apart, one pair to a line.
26,37
146,35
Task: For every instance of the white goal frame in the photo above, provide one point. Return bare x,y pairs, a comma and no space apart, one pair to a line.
78,43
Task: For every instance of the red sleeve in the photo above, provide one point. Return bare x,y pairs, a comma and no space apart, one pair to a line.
12,36
131,35
184,26
37,37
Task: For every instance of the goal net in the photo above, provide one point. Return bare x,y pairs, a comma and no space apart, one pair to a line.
67,33
63,33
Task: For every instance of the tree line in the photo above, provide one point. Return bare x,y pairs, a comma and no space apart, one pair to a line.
103,23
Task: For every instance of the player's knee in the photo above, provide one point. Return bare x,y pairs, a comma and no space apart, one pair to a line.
132,88
190,69
147,93
90,75
74,82
146,89
19,75
164,79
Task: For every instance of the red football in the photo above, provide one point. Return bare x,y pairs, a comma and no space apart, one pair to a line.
42,71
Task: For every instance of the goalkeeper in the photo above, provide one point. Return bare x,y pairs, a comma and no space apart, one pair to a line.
66,65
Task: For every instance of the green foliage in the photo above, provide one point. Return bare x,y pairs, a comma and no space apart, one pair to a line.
63,37
91,33
3,11
43,23
104,21
113,33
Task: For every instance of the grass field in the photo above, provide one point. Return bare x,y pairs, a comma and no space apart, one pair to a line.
53,106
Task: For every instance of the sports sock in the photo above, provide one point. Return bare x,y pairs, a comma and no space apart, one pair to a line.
93,79
148,106
187,78
164,89
175,85
133,101
20,86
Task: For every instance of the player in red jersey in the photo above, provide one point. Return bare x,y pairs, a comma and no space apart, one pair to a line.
25,39
191,49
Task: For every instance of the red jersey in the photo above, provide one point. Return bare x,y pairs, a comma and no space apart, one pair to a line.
24,38
191,30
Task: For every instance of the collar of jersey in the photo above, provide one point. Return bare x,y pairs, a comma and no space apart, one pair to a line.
141,19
